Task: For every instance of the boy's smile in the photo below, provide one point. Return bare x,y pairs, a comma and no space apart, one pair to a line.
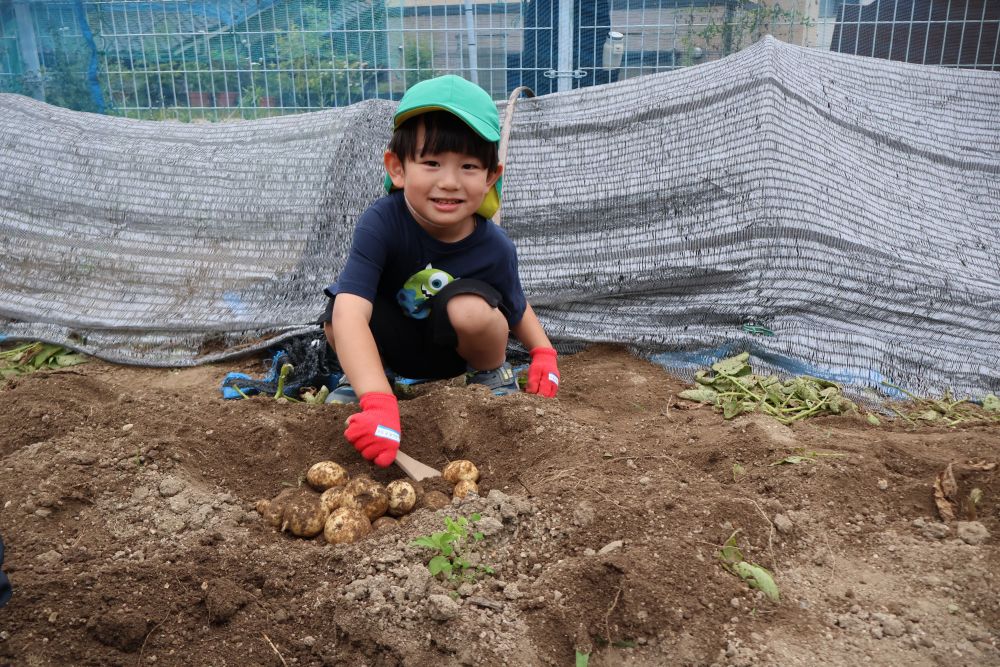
443,191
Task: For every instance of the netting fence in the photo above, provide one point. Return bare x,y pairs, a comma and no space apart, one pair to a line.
217,59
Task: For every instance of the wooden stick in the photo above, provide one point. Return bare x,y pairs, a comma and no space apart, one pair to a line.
413,468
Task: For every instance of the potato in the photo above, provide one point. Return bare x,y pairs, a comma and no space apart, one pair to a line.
464,488
374,501
361,493
435,500
384,523
272,510
346,525
298,511
326,474
402,497
336,497
456,471
304,515
271,513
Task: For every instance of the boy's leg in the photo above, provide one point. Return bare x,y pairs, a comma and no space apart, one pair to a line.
469,317
481,330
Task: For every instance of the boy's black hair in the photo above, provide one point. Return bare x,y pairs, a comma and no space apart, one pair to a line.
444,132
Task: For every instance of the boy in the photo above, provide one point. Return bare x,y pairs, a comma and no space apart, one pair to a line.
430,288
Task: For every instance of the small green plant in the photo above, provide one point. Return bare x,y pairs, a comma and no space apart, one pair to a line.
582,659
451,546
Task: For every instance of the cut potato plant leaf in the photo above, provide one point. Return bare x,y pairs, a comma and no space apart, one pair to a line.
945,490
30,357
759,578
754,575
803,455
733,366
732,388
946,410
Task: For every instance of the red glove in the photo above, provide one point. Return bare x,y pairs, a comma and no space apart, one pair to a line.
543,374
375,431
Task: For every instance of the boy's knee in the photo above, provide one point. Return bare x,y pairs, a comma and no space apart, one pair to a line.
471,313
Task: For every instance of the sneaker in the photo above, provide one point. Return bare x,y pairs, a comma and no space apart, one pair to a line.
343,393
501,381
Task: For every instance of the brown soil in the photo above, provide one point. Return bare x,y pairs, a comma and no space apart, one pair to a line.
127,495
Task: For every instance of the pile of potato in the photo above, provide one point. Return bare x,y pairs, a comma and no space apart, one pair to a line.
346,510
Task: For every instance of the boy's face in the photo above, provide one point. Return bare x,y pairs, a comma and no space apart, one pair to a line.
443,190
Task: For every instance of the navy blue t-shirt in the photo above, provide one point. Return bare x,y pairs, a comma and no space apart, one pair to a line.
392,256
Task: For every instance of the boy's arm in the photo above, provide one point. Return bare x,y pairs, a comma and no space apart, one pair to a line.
355,345
375,431
529,331
543,374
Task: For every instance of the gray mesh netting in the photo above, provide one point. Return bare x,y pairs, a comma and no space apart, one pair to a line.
847,205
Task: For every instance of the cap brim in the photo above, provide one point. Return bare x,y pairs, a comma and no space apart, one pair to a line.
481,127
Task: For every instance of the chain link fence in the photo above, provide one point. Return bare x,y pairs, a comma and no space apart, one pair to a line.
215,59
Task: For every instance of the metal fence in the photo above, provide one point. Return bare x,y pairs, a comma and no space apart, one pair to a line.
246,58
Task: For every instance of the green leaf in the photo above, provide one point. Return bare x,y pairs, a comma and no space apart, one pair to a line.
477,536
731,407
47,351
439,564
759,578
476,516
425,541
873,420
702,395
730,553
733,365
447,549
70,359
702,377
582,659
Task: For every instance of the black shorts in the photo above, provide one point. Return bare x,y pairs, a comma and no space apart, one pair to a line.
425,348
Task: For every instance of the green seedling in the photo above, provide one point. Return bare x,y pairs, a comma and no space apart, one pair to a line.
451,546
732,387
754,575
738,471
30,357
582,659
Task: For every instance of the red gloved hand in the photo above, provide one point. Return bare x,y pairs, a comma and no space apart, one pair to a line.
543,374
375,431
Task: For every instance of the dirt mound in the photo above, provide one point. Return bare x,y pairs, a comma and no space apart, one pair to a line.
127,504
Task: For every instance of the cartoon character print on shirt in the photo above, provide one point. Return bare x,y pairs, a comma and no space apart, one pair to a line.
419,288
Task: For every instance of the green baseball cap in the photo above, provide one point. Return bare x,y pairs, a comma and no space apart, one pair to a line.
467,101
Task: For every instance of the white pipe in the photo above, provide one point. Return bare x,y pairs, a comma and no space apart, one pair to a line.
470,29
565,58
